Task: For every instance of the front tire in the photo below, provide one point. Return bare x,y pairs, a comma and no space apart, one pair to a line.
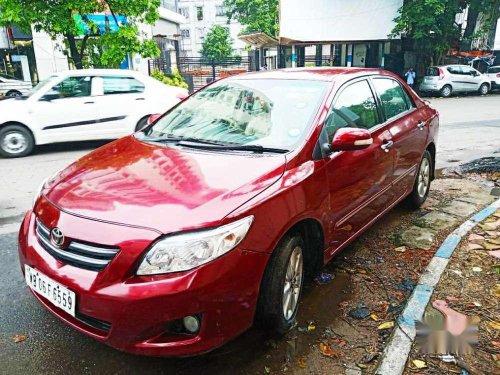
446,91
282,284
422,183
15,141
484,89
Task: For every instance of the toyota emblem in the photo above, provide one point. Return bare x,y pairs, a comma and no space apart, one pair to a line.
57,236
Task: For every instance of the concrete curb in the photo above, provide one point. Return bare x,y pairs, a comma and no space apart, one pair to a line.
396,352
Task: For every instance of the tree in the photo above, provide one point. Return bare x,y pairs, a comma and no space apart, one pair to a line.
490,12
63,18
256,15
217,44
431,24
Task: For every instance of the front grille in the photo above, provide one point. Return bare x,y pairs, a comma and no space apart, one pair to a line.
88,256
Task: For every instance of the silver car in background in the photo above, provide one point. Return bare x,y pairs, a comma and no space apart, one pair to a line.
12,87
493,73
448,79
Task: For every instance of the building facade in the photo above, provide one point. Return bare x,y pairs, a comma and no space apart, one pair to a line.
201,16
336,32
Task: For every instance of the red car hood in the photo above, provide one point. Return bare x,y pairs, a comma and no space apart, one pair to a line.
162,188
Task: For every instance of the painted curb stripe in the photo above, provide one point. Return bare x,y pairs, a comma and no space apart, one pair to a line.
398,349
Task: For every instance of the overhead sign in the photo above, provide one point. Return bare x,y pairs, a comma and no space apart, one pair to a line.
337,20
104,22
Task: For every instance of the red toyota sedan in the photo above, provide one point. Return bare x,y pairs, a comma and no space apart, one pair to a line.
172,241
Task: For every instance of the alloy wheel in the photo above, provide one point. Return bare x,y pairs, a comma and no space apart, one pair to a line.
446,91
293,283
424,175
14,143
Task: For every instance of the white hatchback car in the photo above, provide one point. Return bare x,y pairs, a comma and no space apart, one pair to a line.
81,105
11,86
493,73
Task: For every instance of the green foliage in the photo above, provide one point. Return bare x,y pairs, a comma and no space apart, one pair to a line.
57,18
175,79
431,24
217,44
256,15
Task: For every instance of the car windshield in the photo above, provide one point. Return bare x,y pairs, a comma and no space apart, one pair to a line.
265,112
433,71
40,85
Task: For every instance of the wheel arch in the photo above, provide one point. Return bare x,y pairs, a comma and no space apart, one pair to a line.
19,124
312,233
431,147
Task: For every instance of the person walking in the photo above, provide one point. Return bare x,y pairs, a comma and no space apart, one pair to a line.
410,77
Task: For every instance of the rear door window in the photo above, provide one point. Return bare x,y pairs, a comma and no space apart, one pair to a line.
494,69
355,107
122,85
455,70
394,99
432,71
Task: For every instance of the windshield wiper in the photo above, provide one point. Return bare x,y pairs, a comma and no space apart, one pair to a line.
232,147
173,138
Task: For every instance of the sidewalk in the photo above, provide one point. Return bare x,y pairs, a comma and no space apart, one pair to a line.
470,285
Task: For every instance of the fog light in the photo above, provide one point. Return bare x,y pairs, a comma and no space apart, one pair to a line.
191,324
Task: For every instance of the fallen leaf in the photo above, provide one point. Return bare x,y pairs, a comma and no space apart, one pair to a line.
494,325
475,238
267,370
20,338
477,304
496,343
400,249
495,291
360,365
302,362
386,325
419,363
477,269
475,246
453,299
374,317
326,350
311,327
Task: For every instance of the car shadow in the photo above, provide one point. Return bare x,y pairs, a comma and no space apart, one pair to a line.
70,146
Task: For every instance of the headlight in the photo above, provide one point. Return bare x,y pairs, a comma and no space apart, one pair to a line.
38,192
186,251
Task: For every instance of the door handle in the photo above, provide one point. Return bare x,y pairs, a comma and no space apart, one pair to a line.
140,99
387,145
88,102
421,125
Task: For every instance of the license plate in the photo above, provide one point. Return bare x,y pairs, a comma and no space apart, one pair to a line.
57,294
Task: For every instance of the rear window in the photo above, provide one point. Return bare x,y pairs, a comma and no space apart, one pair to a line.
432,71
494,69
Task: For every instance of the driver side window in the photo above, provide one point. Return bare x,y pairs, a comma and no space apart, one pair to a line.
72,87
355,107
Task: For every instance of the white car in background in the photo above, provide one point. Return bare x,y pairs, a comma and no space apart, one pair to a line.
12,87
82,105
493,74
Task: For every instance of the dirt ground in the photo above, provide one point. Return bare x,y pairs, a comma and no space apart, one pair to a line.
343,325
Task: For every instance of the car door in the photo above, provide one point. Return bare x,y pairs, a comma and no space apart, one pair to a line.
359,181
64,112
472,77
118,105
409,130
457,79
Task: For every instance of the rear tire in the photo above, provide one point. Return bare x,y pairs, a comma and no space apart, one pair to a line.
13,94
282,284
15,141
446,91
422,183
484,89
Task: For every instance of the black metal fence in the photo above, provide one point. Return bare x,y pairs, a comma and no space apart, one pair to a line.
199,71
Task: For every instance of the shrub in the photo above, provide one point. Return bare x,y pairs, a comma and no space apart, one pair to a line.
174,79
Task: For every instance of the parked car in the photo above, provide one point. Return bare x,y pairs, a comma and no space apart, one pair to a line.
448,79
12,87
170,241
82,105
493,73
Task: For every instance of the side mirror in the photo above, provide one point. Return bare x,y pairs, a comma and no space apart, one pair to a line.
348,139
152,118
51,95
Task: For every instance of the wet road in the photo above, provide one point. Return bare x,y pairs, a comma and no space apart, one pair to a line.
470,128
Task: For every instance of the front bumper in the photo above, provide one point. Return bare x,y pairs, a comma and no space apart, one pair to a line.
133,313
